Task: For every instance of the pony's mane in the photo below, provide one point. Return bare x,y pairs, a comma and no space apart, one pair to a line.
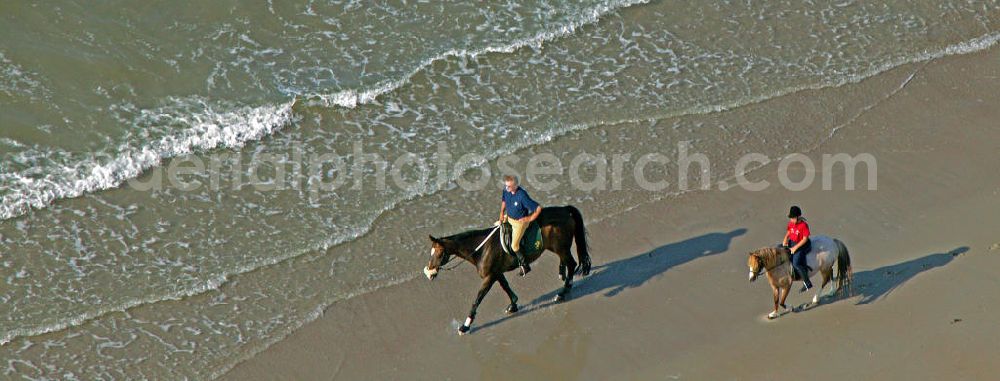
771,256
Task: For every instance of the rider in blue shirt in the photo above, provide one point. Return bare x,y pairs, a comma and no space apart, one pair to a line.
519,210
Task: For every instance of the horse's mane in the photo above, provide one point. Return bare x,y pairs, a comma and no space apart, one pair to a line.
467,234
771,256
465,242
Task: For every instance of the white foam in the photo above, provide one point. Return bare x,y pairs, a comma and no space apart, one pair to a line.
16,81
12,334
231,129
353,98
207,129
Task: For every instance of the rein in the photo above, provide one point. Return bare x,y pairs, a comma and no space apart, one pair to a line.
487,239
481,244
765,268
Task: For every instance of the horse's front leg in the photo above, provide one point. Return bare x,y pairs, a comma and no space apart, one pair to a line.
784,295
512,308
485,288
774,297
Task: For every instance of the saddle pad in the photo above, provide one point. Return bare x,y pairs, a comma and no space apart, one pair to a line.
531,241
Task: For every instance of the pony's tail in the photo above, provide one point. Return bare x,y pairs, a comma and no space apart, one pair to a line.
580,234
844,274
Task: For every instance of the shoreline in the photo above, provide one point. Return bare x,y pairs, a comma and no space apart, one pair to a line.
627,321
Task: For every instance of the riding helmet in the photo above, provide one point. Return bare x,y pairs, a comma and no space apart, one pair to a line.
794,212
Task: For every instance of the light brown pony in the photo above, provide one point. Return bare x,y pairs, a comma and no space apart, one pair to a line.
776,261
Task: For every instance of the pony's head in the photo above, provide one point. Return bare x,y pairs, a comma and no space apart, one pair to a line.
765,259
755,265
439,257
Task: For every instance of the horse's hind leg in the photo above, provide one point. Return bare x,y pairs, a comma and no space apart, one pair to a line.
483,290
562,272
827,275
512,308
566,259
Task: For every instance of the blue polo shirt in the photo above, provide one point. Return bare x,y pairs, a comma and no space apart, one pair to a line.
519,204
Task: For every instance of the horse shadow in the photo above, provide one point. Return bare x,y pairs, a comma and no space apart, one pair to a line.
615,277
877,284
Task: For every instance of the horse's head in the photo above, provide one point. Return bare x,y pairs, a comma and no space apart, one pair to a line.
439,258
755,265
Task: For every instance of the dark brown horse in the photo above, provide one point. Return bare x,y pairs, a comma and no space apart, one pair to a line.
560,225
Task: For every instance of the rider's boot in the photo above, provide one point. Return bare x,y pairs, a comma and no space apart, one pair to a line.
525,268
804,275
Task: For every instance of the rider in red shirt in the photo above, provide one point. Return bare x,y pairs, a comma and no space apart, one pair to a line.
797,241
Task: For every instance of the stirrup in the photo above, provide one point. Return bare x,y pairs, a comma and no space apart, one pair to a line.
525,269
522,262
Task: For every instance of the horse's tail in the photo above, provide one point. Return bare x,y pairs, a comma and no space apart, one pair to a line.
580,234
844,274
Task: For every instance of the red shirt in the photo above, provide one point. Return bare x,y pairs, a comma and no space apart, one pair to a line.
798,230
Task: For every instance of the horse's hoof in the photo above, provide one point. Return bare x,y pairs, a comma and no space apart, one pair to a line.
562,278
815,299
559,298
463,330
773,315
511,309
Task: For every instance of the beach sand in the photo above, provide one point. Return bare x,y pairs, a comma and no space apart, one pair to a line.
669,296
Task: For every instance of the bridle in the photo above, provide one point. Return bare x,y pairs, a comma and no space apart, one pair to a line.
445,257
764,268
760,267
453,265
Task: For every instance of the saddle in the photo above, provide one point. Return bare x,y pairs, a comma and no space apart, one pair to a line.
787,257
531,241
795,275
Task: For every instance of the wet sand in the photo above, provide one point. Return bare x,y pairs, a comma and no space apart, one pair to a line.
669,297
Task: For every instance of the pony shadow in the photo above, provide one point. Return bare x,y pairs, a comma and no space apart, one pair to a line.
612,278
877,284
